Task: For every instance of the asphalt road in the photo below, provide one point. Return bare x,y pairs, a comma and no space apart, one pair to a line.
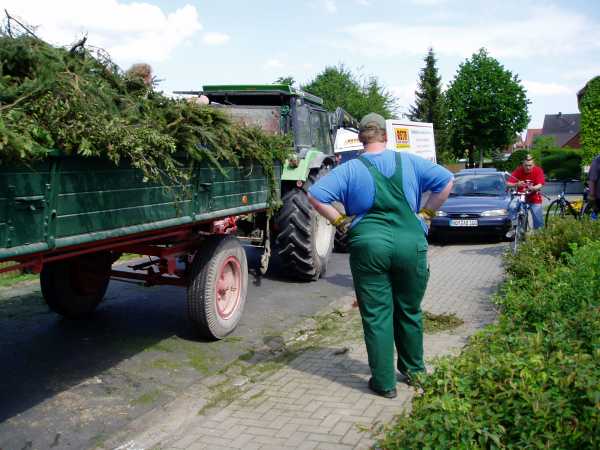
71,385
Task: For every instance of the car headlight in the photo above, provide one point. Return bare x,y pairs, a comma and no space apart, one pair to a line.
494,213
441,213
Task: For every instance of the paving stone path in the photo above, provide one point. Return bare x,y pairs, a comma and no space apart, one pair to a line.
319,400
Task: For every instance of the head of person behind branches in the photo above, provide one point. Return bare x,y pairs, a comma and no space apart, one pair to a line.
141,71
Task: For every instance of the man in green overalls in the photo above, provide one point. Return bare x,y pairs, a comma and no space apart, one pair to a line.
381,193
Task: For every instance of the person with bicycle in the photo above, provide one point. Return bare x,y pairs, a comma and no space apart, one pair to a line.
530,178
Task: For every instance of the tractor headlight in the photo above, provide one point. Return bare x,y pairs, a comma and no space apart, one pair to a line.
495,213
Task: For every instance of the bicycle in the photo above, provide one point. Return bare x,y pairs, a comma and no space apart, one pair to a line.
561,207
521,220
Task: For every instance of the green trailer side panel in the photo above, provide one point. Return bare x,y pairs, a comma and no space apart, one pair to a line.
69,201
24,194
94,195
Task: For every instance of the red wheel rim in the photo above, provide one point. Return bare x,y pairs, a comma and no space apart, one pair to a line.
229,287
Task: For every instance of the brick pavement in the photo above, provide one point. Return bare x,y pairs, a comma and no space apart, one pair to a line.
319,400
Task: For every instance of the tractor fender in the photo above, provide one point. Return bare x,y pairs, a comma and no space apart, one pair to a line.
314,159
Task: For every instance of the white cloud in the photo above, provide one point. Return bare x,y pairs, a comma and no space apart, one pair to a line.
405,94
582,74
547,89
547,31
363,2
214,38
330,6
428,2
274,63
128,31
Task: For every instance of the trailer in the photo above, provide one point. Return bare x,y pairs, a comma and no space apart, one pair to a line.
70,218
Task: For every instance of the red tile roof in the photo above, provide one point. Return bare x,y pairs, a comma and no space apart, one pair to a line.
530,136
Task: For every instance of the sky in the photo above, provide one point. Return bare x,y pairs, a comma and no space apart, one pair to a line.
553,46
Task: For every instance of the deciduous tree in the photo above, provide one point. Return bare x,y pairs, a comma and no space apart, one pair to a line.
589,105
487,105
338,86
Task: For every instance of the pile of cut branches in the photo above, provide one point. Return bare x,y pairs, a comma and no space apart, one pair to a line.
79,102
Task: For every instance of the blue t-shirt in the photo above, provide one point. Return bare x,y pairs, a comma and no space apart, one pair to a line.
352,185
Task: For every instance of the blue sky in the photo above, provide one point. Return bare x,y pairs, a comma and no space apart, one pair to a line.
554,46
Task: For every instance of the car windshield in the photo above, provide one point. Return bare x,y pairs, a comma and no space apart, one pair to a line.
479,185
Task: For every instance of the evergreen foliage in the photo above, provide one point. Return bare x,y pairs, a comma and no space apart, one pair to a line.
339,87
430,104
487,105
79,102
289,80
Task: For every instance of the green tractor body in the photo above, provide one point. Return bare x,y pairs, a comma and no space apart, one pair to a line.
303,239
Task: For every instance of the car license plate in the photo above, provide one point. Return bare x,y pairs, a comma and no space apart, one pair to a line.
463,223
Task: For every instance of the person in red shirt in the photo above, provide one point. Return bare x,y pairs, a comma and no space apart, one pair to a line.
530,178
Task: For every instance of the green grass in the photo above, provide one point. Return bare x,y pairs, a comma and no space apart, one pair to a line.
165,364
12,278
224,396
435,323
147,398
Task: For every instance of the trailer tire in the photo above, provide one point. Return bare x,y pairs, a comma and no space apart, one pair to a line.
305,239
74,287
217,288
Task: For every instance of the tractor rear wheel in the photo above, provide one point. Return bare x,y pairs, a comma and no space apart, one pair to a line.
305,239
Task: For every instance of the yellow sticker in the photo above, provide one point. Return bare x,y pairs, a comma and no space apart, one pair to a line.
402,140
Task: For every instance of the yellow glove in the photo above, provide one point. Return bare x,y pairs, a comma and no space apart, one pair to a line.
426,214
342,223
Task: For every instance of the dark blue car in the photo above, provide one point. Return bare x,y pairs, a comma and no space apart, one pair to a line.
478,204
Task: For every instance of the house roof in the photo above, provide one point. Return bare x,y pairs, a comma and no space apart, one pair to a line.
562,127
530,136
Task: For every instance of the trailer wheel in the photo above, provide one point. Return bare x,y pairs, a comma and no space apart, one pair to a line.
74,287
217,287
305,238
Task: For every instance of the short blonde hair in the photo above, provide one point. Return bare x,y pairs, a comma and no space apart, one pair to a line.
372,135
143,71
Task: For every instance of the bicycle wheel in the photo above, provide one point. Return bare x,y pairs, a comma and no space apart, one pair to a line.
520,230
554,211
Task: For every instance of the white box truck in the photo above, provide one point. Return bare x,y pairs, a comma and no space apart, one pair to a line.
413,137
403,135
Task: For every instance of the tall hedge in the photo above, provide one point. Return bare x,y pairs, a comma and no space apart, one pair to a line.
531,380
589,106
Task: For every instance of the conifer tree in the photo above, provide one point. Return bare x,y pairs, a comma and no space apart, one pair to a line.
430,103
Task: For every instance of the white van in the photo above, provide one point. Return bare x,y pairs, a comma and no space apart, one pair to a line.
403,135
413,137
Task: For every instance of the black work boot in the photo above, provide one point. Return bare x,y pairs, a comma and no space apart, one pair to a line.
404,377
387,394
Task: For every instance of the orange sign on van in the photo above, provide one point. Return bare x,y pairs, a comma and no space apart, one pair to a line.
402,140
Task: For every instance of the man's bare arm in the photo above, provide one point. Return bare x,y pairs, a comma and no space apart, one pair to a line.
327,211
437,199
